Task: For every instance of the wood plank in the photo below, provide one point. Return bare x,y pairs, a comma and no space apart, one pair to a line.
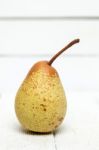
12,136
49,8
47,37
80,129
76,73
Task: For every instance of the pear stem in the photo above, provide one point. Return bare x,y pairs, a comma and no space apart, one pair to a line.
62,50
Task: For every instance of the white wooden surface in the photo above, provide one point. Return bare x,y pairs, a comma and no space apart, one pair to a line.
80,129
12,136
48,36
49,8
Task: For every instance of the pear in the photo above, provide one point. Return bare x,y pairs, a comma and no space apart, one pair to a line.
40,102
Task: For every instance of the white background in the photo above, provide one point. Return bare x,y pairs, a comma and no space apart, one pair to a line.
49,8
35,30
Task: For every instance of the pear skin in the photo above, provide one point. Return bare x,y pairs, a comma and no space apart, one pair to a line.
40,102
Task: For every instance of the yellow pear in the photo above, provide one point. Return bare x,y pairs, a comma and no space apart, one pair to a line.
40,102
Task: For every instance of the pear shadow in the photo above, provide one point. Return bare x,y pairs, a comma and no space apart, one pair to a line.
20,129
60,130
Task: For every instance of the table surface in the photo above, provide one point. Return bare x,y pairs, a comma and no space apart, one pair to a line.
80,129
